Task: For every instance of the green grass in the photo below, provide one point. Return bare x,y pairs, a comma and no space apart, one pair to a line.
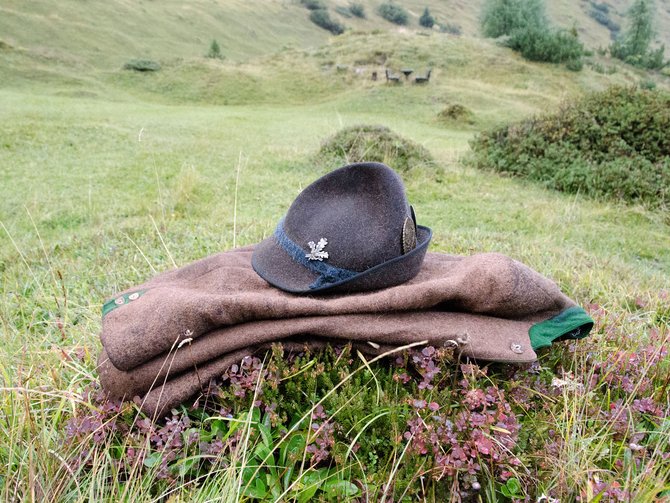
108,177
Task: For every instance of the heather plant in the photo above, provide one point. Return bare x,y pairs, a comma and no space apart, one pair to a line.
611,144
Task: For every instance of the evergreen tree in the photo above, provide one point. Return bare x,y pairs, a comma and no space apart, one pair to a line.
634,45
426,20
214,51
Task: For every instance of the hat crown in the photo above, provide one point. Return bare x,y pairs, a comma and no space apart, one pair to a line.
360,210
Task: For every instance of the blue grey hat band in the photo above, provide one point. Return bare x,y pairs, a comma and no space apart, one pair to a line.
327,273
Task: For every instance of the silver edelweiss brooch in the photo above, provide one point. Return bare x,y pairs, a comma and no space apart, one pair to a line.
316,250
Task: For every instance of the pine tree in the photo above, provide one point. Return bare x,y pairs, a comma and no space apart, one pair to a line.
426,20
634,45
214,51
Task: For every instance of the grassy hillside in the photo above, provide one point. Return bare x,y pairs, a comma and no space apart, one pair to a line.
106,34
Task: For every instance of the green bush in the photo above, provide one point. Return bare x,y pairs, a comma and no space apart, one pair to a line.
426,20
357,9
372,143
313,4
142,65
320,17
503,17
612,144
394,13
541,44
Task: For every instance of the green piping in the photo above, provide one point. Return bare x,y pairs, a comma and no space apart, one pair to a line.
573,323
122,300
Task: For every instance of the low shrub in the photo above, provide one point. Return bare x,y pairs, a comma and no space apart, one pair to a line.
542,44
455,112
320,17
373,143
602,17
503,17
357,9
612,144
142,65
313,4
452,29
394,13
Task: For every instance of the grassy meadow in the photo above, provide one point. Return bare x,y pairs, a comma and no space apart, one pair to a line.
108,177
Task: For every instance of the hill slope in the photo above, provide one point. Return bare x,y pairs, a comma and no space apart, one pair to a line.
106,34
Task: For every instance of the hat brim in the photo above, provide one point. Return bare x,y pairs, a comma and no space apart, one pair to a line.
275,266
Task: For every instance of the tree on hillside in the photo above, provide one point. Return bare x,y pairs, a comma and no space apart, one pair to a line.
502,17
214,51
527,29
426,20
634,45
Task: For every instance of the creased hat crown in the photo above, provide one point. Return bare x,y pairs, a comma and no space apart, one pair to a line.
353,229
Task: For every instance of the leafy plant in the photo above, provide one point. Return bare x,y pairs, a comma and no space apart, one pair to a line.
394,13
610,144
320,17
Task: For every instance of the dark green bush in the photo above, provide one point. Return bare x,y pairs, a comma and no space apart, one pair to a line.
602,17
541,44
142,65
394,13
357,9
612,144
502,17
372,143
320,17
313,4
426,20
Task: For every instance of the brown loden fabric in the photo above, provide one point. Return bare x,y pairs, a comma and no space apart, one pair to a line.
188,325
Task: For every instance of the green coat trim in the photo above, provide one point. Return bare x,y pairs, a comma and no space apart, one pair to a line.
573,323
122,300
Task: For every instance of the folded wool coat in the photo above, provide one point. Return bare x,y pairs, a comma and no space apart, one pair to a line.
165,339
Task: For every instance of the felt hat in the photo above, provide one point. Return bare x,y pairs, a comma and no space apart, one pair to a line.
351,230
